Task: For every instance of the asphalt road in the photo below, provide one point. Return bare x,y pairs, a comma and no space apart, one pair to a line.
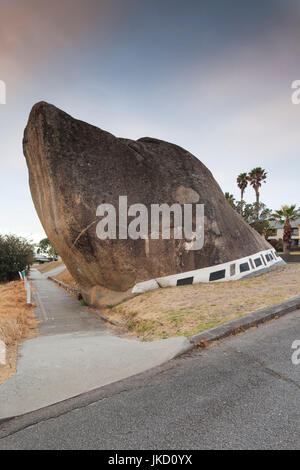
243,393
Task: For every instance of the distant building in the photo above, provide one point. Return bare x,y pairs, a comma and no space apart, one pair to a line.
276,233
40,258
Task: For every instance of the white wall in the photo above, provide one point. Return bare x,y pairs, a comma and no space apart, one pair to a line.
225,271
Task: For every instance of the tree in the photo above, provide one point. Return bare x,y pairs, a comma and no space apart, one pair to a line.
260,223
46,248
16,254
285,216
230,198
256,177
242,182
257,214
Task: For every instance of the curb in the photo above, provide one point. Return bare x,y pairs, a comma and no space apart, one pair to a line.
239,325
120,325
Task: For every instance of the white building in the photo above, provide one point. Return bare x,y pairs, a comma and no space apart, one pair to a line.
277,232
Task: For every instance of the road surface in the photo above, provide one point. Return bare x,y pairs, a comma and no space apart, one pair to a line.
242,393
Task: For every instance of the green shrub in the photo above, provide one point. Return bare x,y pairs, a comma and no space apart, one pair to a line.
16,254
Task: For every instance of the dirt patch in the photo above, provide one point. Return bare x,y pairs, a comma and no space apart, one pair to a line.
188,310
10,368
45,267
17,322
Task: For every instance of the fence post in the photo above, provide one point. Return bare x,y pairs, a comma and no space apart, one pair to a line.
28,291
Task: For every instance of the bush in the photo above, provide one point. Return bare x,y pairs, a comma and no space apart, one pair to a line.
16,254
277,244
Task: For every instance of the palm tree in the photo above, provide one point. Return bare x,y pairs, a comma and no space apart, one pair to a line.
285,216
256,177
242,182
230,198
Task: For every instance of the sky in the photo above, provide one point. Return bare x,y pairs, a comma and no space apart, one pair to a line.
211,76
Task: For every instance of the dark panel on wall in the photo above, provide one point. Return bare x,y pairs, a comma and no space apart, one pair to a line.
185,282
244,267
217,275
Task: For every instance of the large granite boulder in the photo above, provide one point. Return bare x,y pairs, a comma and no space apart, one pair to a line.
74,166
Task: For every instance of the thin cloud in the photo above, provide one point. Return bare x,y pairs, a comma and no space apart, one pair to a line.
33,32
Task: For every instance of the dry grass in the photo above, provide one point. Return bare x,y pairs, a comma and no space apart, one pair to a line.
66,277
17,322
190,309
45,267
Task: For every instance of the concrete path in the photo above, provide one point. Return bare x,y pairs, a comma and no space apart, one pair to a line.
75,353
58,312
54,272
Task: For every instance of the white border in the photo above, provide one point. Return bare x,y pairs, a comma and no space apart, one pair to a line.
202,275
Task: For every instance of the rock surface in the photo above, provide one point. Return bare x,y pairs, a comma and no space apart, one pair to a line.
74,167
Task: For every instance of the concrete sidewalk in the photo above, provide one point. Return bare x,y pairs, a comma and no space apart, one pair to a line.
55,271
58,312
75,353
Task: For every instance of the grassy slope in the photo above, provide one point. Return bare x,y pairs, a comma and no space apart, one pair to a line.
190,309
66,277
17,322
45,267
